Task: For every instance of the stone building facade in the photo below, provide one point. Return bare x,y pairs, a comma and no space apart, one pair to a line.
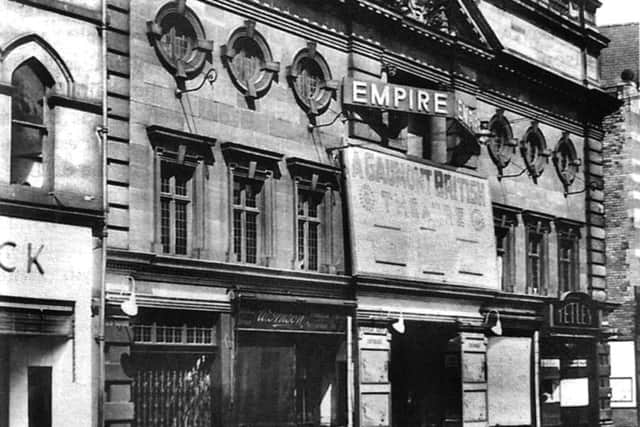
51,211
620,68
352,212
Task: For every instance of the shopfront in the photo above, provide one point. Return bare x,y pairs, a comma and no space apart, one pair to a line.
46,272
291,363
574,363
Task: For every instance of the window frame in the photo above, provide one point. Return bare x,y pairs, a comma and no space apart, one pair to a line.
245,210
46,155
538,226
568,231
258,167
191,154
318,180
317,198
506,222
174,199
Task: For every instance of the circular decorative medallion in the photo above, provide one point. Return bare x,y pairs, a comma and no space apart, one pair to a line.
310,78
533,148
500,144
248,59
367,198
565,160
179,40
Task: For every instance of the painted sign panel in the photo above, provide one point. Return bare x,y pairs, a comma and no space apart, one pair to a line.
276,319
530,41
387,96
410,219
575,310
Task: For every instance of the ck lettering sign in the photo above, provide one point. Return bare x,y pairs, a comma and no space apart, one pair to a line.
15,257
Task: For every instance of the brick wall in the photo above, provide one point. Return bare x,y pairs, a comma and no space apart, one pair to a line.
623,52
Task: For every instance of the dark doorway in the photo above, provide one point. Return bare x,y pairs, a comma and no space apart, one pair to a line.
39,383
424,391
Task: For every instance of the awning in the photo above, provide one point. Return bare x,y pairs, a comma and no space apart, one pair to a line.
19,316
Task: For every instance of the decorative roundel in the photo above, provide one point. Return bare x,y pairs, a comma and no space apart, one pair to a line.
248,59
500,144
310,78
533,148
566,161
179,40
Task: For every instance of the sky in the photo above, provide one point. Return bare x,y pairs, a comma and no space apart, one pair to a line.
618,12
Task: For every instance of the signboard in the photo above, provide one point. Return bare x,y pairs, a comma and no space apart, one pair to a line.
419,221
387,96
575,310
274,318
532,42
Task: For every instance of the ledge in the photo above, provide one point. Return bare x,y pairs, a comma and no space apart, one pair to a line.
167,137
67,9
80,104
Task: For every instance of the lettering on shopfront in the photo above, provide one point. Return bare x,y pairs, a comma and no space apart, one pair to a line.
29,253
386,96
575,310
274,319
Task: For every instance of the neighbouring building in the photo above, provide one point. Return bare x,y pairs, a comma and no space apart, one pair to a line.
355,212
620,67
51,212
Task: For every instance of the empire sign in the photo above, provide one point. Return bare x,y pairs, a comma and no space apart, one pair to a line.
395,97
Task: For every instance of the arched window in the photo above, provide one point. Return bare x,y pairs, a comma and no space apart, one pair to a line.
30,156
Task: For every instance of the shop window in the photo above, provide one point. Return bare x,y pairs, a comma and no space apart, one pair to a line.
505,223
533,148
500,144
179,40
290,380
537,232
313,185
248,59
568,256
310,78
173,365
31,150
251,177
175,208
39,390
247,203
181,160
623,375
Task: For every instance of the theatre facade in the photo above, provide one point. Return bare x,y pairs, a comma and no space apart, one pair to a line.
360,213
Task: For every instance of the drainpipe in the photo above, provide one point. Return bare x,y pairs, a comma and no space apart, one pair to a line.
102,132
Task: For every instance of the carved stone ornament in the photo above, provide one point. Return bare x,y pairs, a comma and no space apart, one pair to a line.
248,59
566,161
179,40
501,144
310,78
431,13
533,148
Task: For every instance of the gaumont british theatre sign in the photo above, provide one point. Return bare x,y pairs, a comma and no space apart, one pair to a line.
414,220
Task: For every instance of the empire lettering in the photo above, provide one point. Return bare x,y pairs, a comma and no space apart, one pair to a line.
396,97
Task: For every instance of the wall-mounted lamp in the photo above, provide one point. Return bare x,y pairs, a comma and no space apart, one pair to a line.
496,329
211,76
484,133
129,306
399,325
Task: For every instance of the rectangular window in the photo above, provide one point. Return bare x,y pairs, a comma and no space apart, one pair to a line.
623,375
175,202
537,231
39,390
505,221
568,249
308,214
246,215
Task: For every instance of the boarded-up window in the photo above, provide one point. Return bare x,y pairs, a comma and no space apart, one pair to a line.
509,377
